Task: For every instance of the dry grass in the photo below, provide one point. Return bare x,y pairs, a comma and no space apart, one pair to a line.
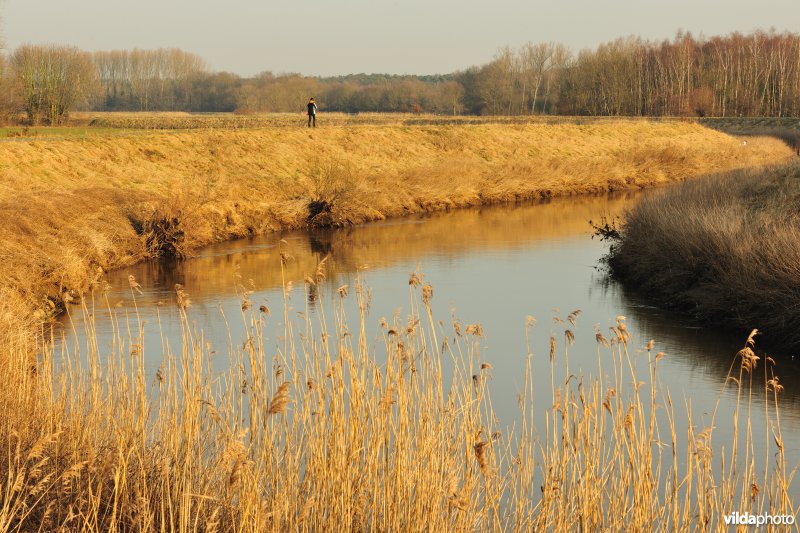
724,249
187,121
752,126
334,433
77,207
337,428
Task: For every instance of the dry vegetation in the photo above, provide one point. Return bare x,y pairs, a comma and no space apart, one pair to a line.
786,129
337,428
187,121
182,121
753,126
78,207
326,430
723,248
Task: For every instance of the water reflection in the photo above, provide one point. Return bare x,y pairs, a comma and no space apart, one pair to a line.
706,350
494,265
215,271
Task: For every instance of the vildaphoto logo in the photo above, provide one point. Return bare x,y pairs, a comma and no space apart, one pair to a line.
747,519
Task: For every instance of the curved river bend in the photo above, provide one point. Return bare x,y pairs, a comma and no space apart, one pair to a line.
494,266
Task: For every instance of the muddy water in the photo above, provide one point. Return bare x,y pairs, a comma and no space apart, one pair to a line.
494,266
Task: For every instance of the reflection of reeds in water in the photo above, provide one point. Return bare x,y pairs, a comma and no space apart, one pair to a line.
326,432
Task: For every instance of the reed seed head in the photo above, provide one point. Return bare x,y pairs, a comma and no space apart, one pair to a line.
279,402
481,449
775,385
182,297
427,293
601,340
134,284
475,330
749,358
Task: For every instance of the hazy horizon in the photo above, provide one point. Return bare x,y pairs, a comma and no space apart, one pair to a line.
368,36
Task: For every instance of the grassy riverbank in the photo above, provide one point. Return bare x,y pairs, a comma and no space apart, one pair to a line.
724,249
78,206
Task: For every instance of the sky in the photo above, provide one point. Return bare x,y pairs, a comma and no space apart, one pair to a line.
319,37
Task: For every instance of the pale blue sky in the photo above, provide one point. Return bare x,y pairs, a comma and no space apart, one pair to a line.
319,37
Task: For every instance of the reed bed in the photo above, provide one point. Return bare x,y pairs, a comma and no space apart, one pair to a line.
723,249
352,423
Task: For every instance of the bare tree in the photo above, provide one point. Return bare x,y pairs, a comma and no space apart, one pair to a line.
536,62
754,74
453,95
52,80
7,104
148,80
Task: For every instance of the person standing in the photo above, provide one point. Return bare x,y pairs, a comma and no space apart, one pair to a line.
312,112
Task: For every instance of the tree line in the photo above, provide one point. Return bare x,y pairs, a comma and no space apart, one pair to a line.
756,74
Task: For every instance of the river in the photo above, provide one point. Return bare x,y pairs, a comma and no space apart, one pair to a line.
494,266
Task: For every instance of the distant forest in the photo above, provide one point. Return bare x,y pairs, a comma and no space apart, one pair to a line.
756,74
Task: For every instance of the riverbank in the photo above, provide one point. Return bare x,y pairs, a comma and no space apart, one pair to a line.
80,206
724,249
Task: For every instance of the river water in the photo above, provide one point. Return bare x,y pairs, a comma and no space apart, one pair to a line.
494,266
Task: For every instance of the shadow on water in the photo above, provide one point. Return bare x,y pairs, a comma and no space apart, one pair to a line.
706,350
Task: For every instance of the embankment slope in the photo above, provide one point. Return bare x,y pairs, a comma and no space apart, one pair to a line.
723,249
73,208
